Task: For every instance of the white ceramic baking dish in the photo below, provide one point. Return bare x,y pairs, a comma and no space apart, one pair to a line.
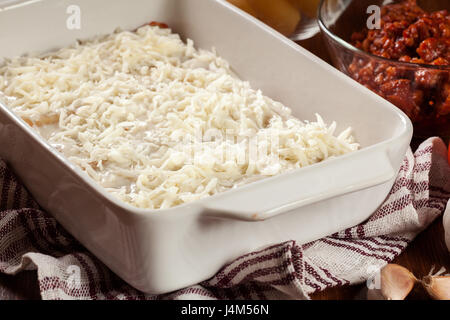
161,251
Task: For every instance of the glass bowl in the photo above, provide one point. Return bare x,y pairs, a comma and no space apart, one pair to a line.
420,90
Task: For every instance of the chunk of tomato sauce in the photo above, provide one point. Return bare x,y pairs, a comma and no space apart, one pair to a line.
158,24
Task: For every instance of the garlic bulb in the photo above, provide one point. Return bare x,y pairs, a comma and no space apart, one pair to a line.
447,226
396,282
437,284
437,287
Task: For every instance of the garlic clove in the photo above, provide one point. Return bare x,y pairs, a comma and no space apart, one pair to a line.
447,225
396,282
437,287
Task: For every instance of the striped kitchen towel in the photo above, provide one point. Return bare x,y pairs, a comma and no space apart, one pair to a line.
31,239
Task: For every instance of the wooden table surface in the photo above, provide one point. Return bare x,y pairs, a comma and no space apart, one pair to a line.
426,251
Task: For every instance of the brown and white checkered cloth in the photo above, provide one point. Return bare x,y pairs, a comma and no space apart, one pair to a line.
31,239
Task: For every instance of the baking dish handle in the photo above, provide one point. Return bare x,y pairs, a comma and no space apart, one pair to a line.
273,196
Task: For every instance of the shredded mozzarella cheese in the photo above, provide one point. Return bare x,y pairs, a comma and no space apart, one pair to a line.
157,122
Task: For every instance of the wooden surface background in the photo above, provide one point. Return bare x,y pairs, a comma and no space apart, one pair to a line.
426,251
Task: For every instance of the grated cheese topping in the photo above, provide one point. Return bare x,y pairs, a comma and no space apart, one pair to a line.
159,123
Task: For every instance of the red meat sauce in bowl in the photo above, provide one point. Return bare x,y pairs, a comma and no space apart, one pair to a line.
406,60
